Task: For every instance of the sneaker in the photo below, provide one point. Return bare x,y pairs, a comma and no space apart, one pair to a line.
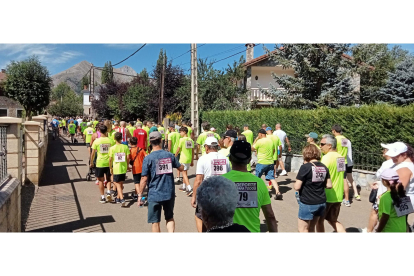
181,179
117,201
176,180
358,197
182,189
283,172
104,183
279,196
114,193
190,192
347,204
97,182
122,203
102,200
109,197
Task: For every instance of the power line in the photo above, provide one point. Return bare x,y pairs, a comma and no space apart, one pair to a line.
188,51
232,55
77,83
130,55
103,69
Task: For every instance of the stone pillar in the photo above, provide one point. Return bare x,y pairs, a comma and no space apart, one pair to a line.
44,126
33,145
14,146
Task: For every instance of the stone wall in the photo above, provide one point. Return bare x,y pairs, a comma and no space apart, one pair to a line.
10,206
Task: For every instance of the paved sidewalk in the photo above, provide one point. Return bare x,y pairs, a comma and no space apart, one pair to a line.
66,202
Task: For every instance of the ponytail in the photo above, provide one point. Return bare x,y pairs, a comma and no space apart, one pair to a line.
410,152
397,191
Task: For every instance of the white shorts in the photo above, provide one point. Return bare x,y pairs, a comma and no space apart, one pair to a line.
186,166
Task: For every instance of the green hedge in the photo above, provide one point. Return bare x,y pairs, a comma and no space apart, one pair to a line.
365,126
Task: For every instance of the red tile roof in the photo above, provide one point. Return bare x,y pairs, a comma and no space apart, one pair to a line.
3,76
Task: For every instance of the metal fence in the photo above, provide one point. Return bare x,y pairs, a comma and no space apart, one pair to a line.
362,159
3,154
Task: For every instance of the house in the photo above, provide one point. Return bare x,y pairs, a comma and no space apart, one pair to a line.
87,106
8,107
259,75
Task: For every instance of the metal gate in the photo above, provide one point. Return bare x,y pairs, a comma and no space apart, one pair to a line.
3,154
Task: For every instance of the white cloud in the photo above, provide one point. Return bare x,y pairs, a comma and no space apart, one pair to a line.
48,54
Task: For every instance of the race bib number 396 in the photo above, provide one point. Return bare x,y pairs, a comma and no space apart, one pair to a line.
340,164
406,207
247,194
164,166
218,166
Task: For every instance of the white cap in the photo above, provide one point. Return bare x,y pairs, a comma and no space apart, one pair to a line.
210,140
395,149
88,124
212,129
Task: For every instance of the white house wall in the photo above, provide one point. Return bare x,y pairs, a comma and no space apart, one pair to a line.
264,75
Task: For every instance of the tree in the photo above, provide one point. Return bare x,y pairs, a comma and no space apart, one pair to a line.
399,89
375,62
322,76
85,81
60,91
29,83
71,105
107,73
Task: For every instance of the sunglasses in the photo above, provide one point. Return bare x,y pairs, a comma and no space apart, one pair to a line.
323,144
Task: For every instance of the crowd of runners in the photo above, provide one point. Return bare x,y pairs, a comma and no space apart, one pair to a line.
228,191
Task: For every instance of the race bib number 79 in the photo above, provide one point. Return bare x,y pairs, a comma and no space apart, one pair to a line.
247,194
164,166
406,207
340,164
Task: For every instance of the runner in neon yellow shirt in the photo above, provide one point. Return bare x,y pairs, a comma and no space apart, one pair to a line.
203,136
87,136
72,131
173,140
101,147
119,156
277,144
186,151
131,128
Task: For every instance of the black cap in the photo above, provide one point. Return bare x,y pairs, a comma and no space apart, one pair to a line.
230,133
242,150
246,125
262,131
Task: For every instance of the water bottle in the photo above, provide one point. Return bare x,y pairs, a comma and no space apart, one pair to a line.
297,196
143,201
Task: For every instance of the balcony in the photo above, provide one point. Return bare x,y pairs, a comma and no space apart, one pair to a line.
255,94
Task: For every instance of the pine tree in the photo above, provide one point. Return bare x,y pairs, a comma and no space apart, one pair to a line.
322,76
399,89
107,73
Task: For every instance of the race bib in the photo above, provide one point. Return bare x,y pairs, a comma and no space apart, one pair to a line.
218,166
161,131
318,174
210,135
188,144
104,148
90,131
164,166
340,164
344,142
247,194
406,207
119,157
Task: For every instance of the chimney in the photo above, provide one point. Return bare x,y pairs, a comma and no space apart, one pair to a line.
249,51
3,71
85,87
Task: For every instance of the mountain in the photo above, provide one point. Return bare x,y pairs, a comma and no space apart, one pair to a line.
73,76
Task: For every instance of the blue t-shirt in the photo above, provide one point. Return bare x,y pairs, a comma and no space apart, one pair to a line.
75,122
160,186
55,123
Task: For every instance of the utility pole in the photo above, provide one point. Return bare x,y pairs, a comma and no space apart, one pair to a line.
194,90
162,91
91,89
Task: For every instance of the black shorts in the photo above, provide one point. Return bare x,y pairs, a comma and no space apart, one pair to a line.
345,174
119,177
198,212
332,211
154,210
101,172
137,178
88,145
349,169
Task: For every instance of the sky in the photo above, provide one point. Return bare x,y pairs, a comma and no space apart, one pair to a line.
59,57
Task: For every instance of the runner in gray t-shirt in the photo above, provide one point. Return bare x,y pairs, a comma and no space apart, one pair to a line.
283,137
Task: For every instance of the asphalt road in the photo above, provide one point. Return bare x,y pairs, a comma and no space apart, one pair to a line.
66,202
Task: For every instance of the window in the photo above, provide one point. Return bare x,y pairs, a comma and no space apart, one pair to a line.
3,112
19,113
